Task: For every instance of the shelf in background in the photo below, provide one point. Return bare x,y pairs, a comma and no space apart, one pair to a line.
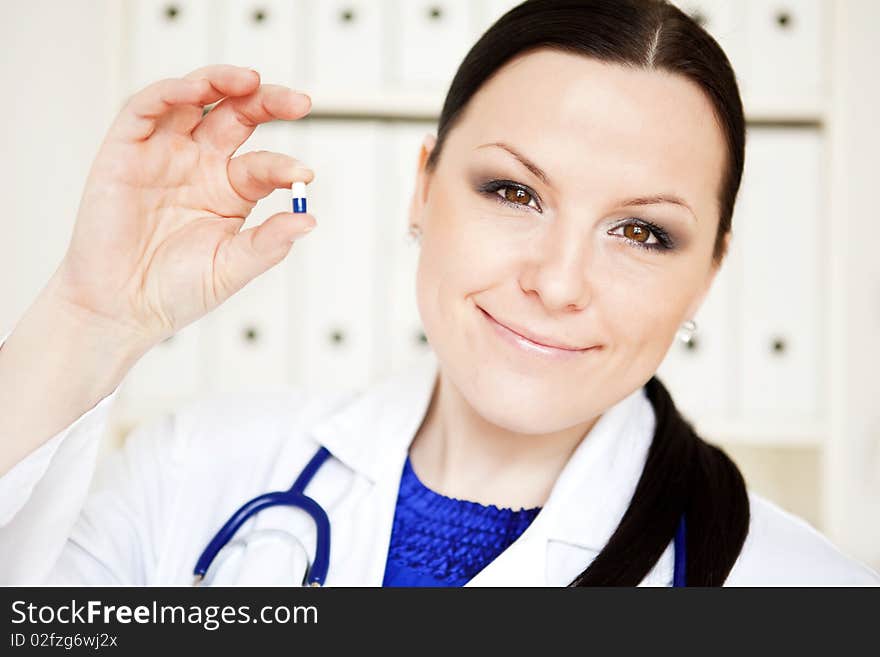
426,106
376,104
806,110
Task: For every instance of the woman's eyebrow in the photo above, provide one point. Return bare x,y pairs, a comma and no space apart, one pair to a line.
654,199
526,162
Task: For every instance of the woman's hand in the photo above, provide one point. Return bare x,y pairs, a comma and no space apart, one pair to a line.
156,244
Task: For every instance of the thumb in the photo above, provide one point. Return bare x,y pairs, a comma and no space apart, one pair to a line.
255,250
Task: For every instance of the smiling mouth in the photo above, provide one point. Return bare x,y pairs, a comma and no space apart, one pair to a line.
530,341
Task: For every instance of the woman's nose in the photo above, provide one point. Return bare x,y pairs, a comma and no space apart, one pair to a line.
559,269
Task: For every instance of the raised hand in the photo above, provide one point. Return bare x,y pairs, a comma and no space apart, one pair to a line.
157,241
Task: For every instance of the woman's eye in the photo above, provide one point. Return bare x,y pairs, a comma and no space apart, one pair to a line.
640,234
510,193
516,195
644,236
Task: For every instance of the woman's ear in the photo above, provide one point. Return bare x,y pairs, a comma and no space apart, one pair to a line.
423,180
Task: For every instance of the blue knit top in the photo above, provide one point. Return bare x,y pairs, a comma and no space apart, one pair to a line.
443,541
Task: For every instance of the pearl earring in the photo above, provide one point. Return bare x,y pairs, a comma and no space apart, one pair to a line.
687,331
415,233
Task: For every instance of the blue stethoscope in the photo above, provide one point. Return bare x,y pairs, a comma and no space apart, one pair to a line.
317,571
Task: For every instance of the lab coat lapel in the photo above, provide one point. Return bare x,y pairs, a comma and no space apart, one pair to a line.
371,436
585,504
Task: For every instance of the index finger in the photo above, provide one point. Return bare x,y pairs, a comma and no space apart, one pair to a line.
233,120
227,80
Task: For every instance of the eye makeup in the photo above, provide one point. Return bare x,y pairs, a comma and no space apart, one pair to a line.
491,187
664,242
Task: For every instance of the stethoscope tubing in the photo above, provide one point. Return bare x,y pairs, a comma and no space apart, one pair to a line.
295,497
679,569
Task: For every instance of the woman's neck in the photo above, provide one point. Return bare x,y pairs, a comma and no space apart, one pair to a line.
458,453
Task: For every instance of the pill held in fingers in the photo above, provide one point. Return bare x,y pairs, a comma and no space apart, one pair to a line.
298,194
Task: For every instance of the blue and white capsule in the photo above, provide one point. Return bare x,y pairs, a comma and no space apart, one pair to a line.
298,194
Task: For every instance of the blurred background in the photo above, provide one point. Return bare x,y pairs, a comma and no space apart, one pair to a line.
781,370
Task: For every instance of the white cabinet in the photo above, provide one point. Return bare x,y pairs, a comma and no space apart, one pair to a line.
345,45
265,35
786,50
340,311
166,39
779,226
431,38
406,341
250,334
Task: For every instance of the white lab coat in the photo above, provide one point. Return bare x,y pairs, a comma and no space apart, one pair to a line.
155,504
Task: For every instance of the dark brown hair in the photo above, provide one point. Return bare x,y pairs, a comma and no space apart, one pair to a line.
683,475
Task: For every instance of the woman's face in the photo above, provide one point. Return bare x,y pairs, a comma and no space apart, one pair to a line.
558,249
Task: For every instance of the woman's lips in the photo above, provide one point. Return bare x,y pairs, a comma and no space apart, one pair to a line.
525,344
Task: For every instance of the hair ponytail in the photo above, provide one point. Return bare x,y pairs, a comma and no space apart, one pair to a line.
683,474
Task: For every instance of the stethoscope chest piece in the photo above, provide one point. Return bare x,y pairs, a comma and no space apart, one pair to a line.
264,557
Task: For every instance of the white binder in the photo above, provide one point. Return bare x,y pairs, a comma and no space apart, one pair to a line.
340,309
168,39
345,45
431,39
786,54
405,336
779,225
266,36
250,335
